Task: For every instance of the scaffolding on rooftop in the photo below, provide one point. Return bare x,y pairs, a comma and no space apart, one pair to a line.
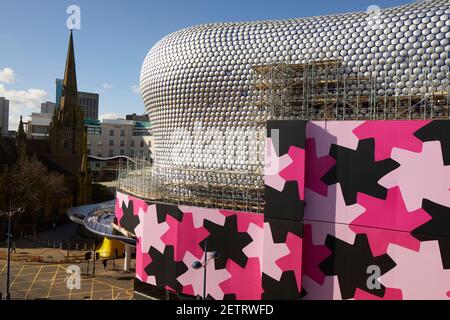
326,90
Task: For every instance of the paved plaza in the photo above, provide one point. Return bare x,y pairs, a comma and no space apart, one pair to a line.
49,281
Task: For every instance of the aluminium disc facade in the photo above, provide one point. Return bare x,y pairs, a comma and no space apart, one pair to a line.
197,82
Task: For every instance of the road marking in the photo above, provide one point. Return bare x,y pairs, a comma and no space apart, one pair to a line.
32,283
17,276
78,293
53,282
4,267
92,289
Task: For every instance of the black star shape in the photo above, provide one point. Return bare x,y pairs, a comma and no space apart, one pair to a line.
280,229
437,130
227,241
162,210
284,205
350,263
356,171
285,289
165,269
436,229
129,221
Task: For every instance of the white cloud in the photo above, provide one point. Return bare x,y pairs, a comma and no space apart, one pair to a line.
7,75
111,115
22,102
108,86
136,89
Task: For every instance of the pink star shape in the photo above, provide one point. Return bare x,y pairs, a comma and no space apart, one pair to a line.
245,283
184,236
388,221
296,170
420,176
391,134
150,231
420,275
255,248
192,279
272,252
293,261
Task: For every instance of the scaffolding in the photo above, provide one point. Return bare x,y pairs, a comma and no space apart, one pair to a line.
224,189
325,90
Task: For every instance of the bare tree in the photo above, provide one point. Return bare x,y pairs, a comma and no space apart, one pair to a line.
31,186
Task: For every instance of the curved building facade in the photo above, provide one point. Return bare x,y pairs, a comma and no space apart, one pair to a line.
198,84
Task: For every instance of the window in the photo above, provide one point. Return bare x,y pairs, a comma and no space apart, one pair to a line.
89,151
142,143
122,143
111,152
122,132
132,143
111,143
122,152
111,132
132,153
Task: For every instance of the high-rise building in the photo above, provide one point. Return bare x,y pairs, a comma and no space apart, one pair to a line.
88,101
89,104
4,116
59,90
48,107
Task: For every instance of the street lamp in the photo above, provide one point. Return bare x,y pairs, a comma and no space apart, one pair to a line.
197,265
9,213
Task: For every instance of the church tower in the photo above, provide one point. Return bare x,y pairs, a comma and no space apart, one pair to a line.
67,133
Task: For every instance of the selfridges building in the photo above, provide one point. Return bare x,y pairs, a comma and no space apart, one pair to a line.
210,88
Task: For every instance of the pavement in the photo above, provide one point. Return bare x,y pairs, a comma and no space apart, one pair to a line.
42,272
50,281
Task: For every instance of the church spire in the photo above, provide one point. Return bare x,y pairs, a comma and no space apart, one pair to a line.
21,140
69,101
67,132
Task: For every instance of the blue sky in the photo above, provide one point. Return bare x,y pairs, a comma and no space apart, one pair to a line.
114,38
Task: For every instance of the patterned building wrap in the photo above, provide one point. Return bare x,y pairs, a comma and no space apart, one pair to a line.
377,194
345,197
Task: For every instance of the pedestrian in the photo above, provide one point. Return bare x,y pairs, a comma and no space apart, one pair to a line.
13,246
54,226
105,265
